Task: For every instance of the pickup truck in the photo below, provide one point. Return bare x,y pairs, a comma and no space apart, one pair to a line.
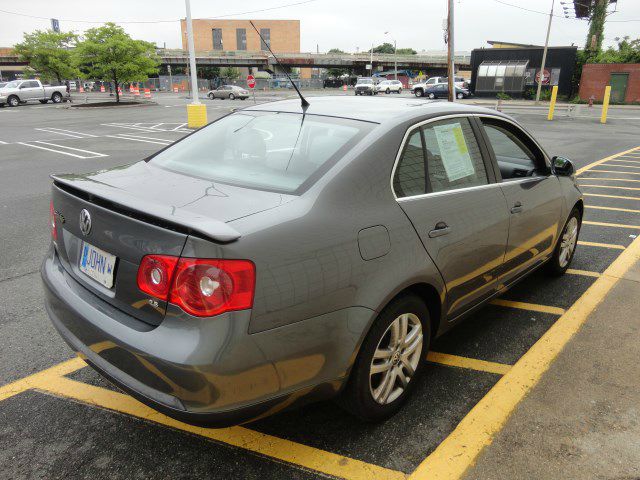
21,91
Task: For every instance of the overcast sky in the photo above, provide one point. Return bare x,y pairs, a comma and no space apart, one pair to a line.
332,23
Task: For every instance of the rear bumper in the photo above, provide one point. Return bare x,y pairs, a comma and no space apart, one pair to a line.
207,372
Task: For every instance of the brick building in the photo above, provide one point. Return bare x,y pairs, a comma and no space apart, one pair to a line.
239,35
624,79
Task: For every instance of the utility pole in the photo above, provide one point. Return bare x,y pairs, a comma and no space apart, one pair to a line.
544,54
395,58
371,63
596,26
451,68
192,55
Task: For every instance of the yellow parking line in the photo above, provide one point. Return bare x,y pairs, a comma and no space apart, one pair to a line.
605,224
241,437
586,273
622,160
616,165
470,363
610,196
534,307
602,245
616,171
26,383
610,157
460,449
609,179
597,207
615,187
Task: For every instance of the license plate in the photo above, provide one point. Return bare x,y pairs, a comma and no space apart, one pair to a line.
97,264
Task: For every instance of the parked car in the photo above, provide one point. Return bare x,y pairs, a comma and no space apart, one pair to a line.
228,91
22,91
442,91
273,258
365,86
388,86
419,88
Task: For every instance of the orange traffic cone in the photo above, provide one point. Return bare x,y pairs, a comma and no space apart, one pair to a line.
175,89
147,93
344,88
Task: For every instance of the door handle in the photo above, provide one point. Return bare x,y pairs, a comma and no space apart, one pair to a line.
440,230
517,207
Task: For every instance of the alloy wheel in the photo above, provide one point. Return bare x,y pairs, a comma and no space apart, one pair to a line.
568,243
396,358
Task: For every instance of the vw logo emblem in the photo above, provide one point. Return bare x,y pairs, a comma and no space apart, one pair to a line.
85,222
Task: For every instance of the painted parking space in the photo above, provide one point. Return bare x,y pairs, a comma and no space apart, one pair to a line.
479,372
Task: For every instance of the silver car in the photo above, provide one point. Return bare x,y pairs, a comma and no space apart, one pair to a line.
282,255
230,92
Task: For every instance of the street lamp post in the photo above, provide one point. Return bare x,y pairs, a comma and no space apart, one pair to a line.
395,55
196,112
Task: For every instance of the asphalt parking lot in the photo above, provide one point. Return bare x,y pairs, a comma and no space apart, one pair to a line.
58,419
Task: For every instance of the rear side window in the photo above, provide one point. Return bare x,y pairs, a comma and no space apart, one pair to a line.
453,156
272,151
410,175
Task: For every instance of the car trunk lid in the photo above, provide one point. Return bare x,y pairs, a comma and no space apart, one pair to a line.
139,210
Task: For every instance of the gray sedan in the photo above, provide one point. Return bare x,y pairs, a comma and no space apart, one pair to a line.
230,92
282,255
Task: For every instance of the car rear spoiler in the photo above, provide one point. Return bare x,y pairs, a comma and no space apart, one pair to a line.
123,202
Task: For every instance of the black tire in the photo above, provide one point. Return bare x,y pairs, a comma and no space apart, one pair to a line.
432,96
358,397
399,91
211,96
460,96
56,97
418,92
13,101
44,101
387,91
556,265
232,96
243,98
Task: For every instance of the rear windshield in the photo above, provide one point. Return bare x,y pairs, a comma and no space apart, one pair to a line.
272,151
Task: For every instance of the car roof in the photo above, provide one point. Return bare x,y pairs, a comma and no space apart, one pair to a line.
378,110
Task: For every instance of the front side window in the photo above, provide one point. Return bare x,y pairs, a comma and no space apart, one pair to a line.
453,156
271,151
517,156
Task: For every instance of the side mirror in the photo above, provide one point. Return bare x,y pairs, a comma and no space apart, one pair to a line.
562,166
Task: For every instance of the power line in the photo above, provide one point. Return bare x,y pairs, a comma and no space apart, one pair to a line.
557,16
303,2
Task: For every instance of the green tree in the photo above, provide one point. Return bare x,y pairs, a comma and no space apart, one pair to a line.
336,72
109,53
48,53
230,73
407,51
386,47
627,51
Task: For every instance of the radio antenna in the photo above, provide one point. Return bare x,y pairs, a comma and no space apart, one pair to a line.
303,101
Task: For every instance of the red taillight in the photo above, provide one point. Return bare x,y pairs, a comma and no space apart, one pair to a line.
155,274
201,287
52,221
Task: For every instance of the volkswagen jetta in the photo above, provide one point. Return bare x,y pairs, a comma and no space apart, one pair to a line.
289,253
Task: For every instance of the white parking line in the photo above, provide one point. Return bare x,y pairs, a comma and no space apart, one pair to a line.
179,126
55,151
3,143
145,138
140,129
94,154
59,133
136,139
68,131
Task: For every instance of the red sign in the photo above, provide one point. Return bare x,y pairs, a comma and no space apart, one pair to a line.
546,77
251,82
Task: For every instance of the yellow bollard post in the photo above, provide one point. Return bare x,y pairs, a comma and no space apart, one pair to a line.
552,105
196,115
605,103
